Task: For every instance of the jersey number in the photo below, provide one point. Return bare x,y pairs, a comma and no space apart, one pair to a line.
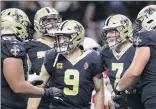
119,68
71,78
40,54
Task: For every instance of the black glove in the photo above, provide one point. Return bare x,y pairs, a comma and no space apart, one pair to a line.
118,97
118,92
36,82
55,93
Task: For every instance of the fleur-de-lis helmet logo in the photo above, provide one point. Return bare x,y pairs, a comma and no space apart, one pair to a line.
124,21
149,11
17,16
78,28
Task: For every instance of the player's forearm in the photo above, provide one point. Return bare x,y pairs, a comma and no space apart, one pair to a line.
33,103
127,80
99,100
27,88
142,56
99,87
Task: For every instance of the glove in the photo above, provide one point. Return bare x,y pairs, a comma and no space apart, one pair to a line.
36,82
118,97
55,93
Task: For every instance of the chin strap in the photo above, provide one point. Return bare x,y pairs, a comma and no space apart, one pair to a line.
56,59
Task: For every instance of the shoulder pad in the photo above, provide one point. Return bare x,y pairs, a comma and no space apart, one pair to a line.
50,55
13,48
97,63
106,52
146,38
29,43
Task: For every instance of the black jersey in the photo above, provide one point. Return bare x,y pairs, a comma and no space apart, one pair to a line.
148,39
36,51
148,76
11,48
117,63
74,78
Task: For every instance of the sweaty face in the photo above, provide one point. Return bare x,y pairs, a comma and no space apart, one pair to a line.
63,43
111,37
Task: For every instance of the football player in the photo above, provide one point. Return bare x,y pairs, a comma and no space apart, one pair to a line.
46,21
117,54
15,27
91,44
74,71
144,61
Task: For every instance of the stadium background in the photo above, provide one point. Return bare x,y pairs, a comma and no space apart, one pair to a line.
91,14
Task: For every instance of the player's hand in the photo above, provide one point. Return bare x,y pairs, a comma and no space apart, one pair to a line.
116,99
110,105
108,102
36,82
55,93
119,99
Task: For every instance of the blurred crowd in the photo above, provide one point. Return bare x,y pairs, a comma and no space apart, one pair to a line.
91,14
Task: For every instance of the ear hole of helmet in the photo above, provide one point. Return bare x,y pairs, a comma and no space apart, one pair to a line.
19,28
9,13
126,32
150,21
78,39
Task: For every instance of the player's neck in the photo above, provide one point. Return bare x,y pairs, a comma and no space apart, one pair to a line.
122,46
74,54
46,40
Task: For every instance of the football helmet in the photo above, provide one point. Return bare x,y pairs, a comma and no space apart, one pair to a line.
46,20
150,22
90,43
121,25
142,15
146,11
70,34
15,21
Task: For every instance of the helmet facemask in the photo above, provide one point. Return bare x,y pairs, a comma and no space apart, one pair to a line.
49,23
64,42
69,36
122,28
115,40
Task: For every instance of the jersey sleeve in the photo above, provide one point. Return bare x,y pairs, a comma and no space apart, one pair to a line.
130,53
97,64
146,38
49,60
106,56
28,44
13,48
